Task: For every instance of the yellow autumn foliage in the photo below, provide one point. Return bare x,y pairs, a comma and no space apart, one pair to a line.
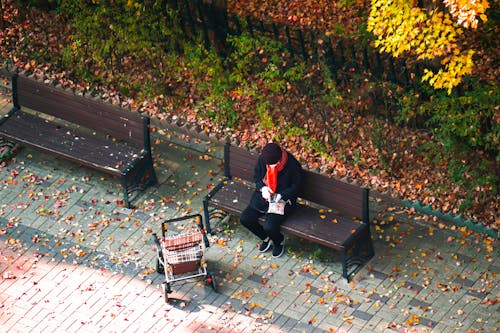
401,27
466,12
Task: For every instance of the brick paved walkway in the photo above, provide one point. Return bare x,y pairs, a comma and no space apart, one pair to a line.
73,260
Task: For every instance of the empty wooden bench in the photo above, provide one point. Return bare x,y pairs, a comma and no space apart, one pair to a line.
332,213
82,130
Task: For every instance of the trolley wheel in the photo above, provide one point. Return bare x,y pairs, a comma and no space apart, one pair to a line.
210,280
159,267
166,290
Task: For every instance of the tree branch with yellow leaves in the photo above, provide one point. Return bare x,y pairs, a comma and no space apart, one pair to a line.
402,27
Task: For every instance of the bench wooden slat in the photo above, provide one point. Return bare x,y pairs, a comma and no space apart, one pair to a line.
98,152
332,193
241,163
80,110
234,196
306,223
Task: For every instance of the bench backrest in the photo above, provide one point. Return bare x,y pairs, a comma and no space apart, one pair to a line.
350,200
92,114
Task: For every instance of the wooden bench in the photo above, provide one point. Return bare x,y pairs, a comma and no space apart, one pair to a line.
80,129
332,213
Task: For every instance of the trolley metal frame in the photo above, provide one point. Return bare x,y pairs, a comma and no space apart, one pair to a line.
181,255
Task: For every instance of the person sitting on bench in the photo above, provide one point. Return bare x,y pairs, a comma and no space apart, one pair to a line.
277,177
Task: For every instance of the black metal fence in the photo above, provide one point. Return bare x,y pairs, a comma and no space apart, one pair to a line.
339,54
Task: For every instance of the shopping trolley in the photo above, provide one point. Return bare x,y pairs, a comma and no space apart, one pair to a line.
181,251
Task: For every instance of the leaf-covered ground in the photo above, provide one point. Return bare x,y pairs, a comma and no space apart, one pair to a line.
359,147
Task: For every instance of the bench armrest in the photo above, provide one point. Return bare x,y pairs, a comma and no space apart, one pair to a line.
216,188
355,234
8,115
207,199
139,158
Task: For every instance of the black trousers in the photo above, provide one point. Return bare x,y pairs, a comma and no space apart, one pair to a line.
271,227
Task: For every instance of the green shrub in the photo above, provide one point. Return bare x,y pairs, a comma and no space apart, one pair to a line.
466,122
105,34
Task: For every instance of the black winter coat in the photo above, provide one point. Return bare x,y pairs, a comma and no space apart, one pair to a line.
289,180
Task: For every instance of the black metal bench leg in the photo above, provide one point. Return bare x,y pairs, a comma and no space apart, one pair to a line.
356,254
208,229
125,191
343,258
371,250
152,178
364,247
7,149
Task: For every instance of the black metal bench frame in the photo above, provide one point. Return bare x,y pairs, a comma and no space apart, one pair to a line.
84,130
331,212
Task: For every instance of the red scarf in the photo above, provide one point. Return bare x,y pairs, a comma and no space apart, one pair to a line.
271,177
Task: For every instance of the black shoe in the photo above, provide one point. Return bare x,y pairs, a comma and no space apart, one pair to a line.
265,245
279,249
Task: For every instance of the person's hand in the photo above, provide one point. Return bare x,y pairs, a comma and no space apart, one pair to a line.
277,197
266,193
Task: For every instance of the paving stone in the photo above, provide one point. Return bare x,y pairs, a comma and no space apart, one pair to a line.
477,294
419,304
353,328
362,315
379,298
378,275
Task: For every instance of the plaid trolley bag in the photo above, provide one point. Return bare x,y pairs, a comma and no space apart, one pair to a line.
181,251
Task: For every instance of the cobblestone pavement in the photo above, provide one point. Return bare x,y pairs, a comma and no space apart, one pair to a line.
73,260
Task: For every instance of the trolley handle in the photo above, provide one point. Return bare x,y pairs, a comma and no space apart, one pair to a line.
196,217
199,221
